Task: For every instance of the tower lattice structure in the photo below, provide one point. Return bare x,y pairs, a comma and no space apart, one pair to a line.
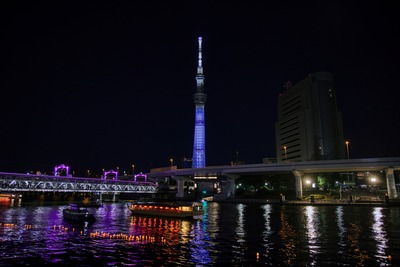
199,145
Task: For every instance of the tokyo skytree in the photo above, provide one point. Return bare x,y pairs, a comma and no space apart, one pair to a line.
199,145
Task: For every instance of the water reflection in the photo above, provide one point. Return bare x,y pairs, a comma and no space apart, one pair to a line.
288,236
199,245
379,233
152,229
312,231
354,251
267,230
238,246
182,240
211,219
228,235
341,229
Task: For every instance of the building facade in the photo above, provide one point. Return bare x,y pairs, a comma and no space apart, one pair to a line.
309,126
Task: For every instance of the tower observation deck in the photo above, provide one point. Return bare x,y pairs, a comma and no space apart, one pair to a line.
199,145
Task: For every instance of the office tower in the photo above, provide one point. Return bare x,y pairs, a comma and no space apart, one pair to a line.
199,145
309,126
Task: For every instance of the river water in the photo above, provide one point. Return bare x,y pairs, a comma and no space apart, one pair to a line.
228,235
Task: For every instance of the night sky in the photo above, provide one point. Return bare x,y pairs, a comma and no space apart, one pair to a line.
107,84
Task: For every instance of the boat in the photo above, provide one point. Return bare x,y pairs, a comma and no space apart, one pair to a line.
76,213
179,209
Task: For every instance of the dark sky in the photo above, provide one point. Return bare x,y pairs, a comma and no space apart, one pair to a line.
106,84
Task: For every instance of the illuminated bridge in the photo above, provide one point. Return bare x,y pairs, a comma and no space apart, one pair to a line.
202,179
19,183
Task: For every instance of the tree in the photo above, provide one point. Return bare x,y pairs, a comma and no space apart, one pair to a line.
322,181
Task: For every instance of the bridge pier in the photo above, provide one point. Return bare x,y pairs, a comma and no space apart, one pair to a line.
109,197
231,188
390,183
180,188
299,183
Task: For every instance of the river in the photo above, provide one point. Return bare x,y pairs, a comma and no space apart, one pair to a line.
228,235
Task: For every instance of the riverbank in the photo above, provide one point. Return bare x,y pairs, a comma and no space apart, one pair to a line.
312,203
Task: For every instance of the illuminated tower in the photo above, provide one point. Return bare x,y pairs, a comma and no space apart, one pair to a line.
199,145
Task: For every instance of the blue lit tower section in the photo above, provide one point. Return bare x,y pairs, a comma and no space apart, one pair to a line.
199,145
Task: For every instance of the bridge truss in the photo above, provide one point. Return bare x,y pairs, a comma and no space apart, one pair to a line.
13,182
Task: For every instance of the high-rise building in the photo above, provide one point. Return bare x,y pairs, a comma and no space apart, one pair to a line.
199,145
309,126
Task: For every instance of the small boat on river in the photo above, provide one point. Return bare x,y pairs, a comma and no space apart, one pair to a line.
179,209
77,213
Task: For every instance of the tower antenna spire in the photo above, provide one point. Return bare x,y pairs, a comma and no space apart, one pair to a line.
200,61
200,75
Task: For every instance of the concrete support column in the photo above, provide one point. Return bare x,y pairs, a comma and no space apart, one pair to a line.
299,183
179,186
232,184
115,197
390,183
232,188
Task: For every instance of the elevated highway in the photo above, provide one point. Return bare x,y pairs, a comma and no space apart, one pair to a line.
298,169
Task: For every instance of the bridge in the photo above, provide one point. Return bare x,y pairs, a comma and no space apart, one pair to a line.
207,177
204,179
17,183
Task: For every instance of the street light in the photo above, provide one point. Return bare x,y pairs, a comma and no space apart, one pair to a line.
373,182
284,147
172,161
347,149
133,169
308,182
